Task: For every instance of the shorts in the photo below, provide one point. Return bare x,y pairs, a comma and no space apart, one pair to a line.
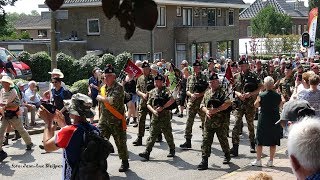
134,98
182,99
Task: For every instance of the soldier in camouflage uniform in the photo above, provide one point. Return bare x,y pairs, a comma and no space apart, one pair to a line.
247,88
144,84
159,100
287,83
215,103
273,73
211,67
280,71
196,86
108,123
261,73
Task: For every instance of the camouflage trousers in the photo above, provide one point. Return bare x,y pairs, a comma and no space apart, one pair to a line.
249,113
119,136
209,130
194,109
157,126
227,124
144,111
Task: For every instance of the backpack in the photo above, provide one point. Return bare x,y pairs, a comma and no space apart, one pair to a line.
93,157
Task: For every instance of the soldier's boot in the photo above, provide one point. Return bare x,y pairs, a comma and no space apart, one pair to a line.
6,140
159,139
145,155
204,163
138,141
172,153
187,144
234,150
226,159
124,166
253,147
16,136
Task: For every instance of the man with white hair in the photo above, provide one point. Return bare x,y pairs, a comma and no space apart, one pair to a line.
303,148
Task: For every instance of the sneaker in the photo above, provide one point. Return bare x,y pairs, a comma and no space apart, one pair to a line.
3,155
256,163
269,163
29,146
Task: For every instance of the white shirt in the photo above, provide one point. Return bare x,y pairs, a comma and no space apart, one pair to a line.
29,93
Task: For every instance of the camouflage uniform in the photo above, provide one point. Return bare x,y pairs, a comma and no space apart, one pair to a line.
110,125
160,123
216,124
142,83
285,85
261,74
194,105
245,107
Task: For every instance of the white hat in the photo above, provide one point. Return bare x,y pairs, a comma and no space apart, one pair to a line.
7,79
57,71
154,67
184,62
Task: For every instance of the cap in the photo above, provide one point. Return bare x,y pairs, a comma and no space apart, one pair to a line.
109,69
159,77
80,105
145,64
196,63
154,67
243,61
293,110
213,76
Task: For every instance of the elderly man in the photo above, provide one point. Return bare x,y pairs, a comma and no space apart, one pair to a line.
112,121
303,148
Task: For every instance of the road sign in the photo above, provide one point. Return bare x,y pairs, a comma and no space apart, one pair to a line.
60,14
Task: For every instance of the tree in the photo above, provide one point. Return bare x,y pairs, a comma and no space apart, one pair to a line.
3,21
34,13
269,21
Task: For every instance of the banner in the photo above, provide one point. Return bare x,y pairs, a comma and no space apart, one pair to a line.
228,74
131,68
312,24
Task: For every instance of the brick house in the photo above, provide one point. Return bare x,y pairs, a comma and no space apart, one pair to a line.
37,27
185,29
295,9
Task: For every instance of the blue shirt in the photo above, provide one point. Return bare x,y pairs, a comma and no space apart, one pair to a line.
315,176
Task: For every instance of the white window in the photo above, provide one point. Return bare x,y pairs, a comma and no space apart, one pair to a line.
161,16
230,17
305,28
181,53
299,30
93,27
187,16
139,56
249,31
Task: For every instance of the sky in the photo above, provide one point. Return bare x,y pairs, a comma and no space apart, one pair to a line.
26,6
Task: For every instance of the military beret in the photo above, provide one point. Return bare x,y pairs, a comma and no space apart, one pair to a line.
109,69
159,77
213,76
196,63
210,60
234,64
243,61
145,64
289,66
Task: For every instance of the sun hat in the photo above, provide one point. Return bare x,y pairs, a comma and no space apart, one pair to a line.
7,79
80,105
57,71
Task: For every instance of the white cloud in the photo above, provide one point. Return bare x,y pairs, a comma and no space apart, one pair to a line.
25,6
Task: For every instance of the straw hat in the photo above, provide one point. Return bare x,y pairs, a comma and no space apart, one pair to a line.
57,71
7,79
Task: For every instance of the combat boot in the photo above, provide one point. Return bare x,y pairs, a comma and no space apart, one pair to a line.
16,136
138,141
124,166
234,150
145,155
6,140
253,147
187,144
226,159
172,153
204,163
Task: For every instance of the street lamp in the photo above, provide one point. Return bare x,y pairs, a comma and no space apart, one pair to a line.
246,49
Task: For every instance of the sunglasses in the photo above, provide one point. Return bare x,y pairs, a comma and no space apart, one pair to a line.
54,82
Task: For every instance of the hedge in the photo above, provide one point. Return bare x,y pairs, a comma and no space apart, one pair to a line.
80,86
40,66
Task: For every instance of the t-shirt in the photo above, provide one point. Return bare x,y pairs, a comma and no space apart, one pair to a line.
94,81
10,65
313,97
70,138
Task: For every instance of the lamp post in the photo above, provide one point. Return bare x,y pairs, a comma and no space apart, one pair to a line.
246,49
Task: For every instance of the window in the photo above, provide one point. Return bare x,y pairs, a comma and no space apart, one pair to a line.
249,31
212,17
161,16
157,55
305,28
181,53
187,16
219,12
294,29
230,17
299,30
42,33
140,56
93,27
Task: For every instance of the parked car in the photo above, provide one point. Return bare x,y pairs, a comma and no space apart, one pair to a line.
23,70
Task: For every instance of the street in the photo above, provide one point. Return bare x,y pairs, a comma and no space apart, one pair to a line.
36,164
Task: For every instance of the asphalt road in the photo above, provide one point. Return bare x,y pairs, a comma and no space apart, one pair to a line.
36,164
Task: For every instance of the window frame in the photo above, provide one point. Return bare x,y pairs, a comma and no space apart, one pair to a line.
215,14
159,16
191,10
218,12
228,15
249,27
46,34
88,27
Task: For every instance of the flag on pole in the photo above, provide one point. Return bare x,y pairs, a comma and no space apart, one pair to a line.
131,68
312,24
228,74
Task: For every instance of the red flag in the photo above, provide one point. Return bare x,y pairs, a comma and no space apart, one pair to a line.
228,74
131,68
